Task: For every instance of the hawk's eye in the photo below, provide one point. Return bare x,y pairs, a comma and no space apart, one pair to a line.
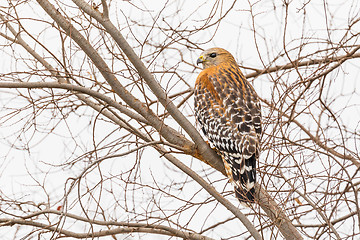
212,55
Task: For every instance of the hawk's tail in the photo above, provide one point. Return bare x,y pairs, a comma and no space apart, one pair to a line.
245,191
243,176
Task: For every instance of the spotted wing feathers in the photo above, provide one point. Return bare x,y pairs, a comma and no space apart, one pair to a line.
228,111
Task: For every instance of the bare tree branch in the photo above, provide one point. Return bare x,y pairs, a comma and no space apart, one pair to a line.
126,228
111,82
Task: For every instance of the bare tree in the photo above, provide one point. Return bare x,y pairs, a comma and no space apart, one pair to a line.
99,134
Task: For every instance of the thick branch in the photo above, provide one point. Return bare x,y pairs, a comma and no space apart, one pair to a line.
204,151
168,133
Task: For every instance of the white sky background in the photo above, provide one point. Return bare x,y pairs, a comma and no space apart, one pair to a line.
235,34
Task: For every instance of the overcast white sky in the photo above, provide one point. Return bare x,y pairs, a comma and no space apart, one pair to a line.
235,33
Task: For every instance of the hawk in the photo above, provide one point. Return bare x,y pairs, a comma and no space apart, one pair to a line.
228,111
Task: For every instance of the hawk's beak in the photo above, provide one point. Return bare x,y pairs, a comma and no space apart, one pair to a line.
200,60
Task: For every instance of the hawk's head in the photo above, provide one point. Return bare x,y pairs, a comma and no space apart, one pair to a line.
214,57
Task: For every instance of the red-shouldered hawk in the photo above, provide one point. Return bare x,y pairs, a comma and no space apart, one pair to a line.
228,110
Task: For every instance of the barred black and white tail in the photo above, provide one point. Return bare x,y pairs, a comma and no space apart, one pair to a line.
243,175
